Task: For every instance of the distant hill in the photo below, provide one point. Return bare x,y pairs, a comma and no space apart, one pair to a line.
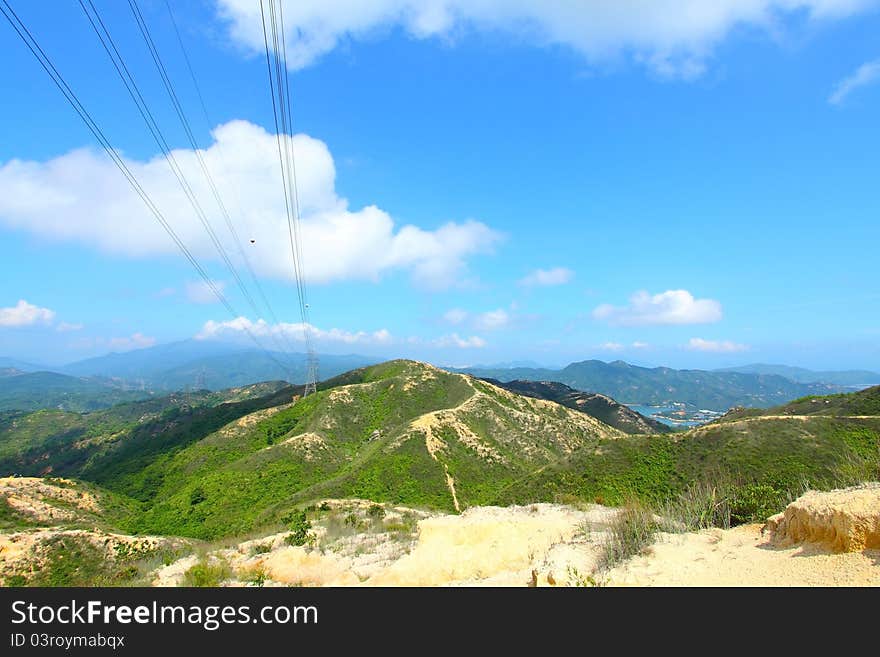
36,390
630,384
598,406
801,375
194,364
208,364
7,363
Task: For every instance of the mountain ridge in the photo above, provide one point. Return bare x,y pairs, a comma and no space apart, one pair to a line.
597,405
632,384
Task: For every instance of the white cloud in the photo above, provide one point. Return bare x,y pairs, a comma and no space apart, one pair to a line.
64,327
200,292
670,307
611,346
864,75
670,37
455,316
237,329
492,320
134,341
715,346
544,277
640,345
25,314
59,199
240,326
454,340
165,292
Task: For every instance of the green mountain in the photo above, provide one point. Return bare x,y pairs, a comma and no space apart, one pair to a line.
401,431
630,384
598,406
35,390
210,465
799,374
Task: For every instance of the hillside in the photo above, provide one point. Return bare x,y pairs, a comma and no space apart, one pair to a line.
630,384
861,403
401,431
57,442
598,406
36,390
396,445
756,460
215,464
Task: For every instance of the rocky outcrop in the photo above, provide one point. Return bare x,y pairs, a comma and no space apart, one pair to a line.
846,520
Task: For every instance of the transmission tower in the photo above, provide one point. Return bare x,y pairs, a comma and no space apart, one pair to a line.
311,374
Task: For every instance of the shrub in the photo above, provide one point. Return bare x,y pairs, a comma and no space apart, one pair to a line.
256,577
376,511
197,496
699,506
755,503
205,574
260,548
632,530
299,529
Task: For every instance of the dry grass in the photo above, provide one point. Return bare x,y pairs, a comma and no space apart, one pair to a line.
630,532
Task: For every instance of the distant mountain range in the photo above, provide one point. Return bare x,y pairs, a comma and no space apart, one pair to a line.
852,378
195,364
207,364
101,382
629,384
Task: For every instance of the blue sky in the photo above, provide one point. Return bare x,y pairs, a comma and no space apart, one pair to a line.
481,182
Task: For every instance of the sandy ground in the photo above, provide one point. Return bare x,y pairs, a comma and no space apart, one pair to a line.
548,544
34,497
534,545
743,556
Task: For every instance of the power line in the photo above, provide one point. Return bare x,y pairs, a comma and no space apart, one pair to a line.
178,107
46,63
137,97
279,87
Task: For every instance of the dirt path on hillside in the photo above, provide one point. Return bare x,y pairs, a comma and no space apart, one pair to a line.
426,423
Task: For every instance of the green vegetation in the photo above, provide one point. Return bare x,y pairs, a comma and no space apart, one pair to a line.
756,466
864,402
37,390
82,560
299,529
216,465
207,574
598,406
631,531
